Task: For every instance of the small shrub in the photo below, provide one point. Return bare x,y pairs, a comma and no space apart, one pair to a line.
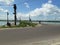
26,23
3,26
23,24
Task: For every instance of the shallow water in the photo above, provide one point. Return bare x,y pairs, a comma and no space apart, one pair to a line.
51,23
5,22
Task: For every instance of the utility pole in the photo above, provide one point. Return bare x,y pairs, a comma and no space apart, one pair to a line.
15,7
7,18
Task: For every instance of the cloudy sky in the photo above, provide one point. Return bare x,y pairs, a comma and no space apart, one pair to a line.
37,9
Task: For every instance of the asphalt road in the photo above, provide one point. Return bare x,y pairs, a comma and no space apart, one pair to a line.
25,36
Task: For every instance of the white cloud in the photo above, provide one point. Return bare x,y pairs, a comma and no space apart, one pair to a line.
3,15
27,5
49,1
3,10
46,9
7,1
6,11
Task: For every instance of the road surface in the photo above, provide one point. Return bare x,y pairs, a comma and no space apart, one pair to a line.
43,35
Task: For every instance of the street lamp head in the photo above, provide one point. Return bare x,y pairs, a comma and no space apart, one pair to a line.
7,13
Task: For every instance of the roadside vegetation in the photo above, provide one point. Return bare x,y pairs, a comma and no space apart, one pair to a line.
26,23
21,24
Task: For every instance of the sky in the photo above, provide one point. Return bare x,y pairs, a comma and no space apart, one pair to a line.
37,9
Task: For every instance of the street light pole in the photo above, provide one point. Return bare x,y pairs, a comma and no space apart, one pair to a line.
8,24
29,16
7,18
